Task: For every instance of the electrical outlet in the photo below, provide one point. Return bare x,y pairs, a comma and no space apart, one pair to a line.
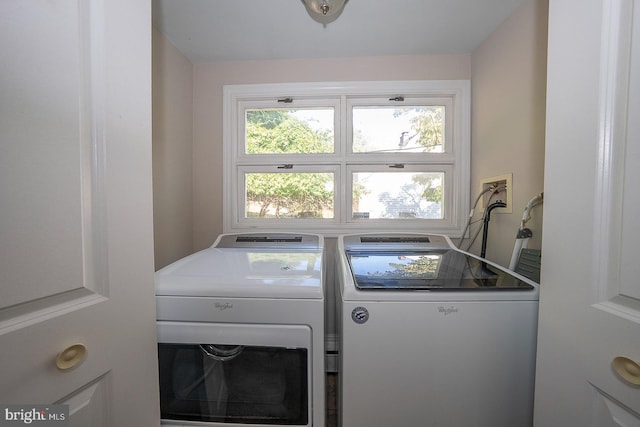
504,195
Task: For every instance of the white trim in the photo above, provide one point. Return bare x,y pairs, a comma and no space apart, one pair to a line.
93,125
457,90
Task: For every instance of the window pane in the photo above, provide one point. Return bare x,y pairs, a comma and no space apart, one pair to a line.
289,195
286,131
398,195
417,129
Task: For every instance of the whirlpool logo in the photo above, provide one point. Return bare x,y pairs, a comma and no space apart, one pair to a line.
447,310
222,306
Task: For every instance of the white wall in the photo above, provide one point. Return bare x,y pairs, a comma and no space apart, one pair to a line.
172,147
508,75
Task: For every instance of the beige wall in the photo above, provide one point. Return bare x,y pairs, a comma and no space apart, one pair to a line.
210,78
508,116
172,148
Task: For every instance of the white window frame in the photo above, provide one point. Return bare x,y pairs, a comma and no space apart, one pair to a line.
446,156
293,223
334,103
455,161
447,170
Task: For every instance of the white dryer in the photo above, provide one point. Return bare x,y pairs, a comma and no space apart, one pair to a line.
432,336
241,333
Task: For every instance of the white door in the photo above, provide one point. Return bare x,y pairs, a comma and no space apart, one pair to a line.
76,255
588,371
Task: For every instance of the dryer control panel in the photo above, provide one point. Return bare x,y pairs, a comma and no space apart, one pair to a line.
269,241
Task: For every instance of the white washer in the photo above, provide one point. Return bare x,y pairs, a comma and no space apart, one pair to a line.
432,336
241,333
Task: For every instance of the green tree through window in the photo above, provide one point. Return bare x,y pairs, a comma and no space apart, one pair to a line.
280,132
333,157
287,194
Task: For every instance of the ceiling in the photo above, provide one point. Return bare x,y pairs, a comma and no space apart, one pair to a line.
235,30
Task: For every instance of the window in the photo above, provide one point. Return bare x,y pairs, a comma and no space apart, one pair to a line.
340,157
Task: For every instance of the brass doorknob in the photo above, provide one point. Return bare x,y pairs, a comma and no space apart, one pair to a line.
627,369
71,356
